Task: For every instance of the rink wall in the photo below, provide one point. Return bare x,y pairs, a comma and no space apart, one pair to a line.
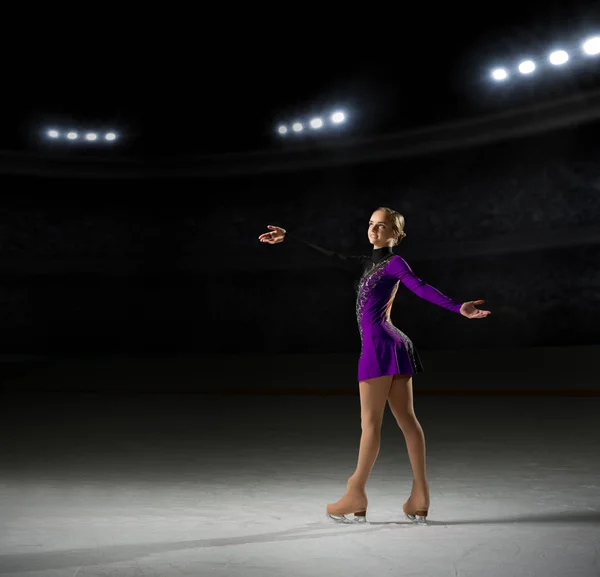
535,371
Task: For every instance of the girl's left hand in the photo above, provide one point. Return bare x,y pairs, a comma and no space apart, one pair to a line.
468,310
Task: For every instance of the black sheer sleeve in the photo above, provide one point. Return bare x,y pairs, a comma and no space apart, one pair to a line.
351,263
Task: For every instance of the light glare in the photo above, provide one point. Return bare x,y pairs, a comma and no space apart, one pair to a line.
499,74
72,135
316,123
526,67
592,46
558,57
53,133
337,117
297,127
91,136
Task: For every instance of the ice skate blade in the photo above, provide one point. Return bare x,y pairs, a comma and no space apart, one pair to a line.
417,519
357,519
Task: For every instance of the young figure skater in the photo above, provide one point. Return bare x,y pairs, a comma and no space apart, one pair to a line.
388,359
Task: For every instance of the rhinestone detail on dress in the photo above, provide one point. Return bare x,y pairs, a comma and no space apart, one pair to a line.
367,283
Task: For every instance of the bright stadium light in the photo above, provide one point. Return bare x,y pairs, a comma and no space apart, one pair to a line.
318,124
589,47
338,117
558,57
526,67
592,46
74,135
499,74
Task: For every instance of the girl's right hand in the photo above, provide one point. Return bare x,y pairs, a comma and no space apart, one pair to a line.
276,235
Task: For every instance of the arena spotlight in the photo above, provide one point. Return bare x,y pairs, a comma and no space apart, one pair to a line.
499,74
526,67
558,57
316,123
589,47
338,117
73,135
592,46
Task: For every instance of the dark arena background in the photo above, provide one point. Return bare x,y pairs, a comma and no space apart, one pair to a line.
179,398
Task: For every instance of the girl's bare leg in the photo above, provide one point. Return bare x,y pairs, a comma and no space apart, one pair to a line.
401,403
373,396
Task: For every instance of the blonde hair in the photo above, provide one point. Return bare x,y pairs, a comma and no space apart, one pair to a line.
398,222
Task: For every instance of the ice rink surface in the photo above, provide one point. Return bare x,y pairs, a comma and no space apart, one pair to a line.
170,485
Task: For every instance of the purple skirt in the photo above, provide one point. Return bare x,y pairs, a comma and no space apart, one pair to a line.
387,351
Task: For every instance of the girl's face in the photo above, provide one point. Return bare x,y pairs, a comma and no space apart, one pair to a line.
380,230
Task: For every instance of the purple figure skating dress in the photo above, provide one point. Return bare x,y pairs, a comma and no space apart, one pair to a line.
385,350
